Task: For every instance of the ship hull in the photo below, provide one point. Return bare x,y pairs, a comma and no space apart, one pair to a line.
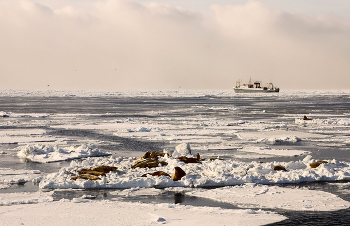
255,90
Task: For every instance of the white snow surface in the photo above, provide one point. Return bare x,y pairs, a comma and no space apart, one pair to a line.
72,213
48,153
263,196
208,174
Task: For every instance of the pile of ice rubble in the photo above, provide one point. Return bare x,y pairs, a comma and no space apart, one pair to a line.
200,173
48,153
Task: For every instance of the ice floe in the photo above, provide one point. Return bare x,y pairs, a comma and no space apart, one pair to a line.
25,139
263,196
22,136
328,121
3,186
7,199
21,132
224,109
280,140
277,137
12,176
49,153
207,173
276,152
125,213
138,191
182,150
19,115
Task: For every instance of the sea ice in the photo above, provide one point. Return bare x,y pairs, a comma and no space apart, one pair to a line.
263,196
4,114
207,174
328,121
278,136
24,139
280,140
22,132
276,152
89,212
11,176
48,153
3,186
182,150
138,191
7,199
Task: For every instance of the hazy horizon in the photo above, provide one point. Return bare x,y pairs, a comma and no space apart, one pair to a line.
122,44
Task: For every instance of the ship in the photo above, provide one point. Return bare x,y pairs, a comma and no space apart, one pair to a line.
255,87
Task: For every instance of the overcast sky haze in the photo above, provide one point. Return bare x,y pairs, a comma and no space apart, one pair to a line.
163,44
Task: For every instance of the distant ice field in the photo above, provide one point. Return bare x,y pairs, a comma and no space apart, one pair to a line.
45,136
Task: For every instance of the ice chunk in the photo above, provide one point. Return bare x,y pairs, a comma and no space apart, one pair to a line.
3,186
4,114
182,150
143,129
280,140
49,153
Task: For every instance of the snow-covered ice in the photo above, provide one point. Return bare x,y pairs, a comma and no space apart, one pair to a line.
263,196
3,186
328,121
70,213
25,139
208,174
21,132
11,176
22,136
248,137
48,153
7,199
138,191
267,151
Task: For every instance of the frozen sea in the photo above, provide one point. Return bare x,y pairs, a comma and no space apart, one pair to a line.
47,135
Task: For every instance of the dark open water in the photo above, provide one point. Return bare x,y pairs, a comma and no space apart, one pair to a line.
278,109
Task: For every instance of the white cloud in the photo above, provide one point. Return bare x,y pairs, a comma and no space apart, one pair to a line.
118,44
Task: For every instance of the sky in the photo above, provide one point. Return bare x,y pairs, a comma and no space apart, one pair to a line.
168,44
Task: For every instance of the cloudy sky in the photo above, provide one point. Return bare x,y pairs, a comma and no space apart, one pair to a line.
168,44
